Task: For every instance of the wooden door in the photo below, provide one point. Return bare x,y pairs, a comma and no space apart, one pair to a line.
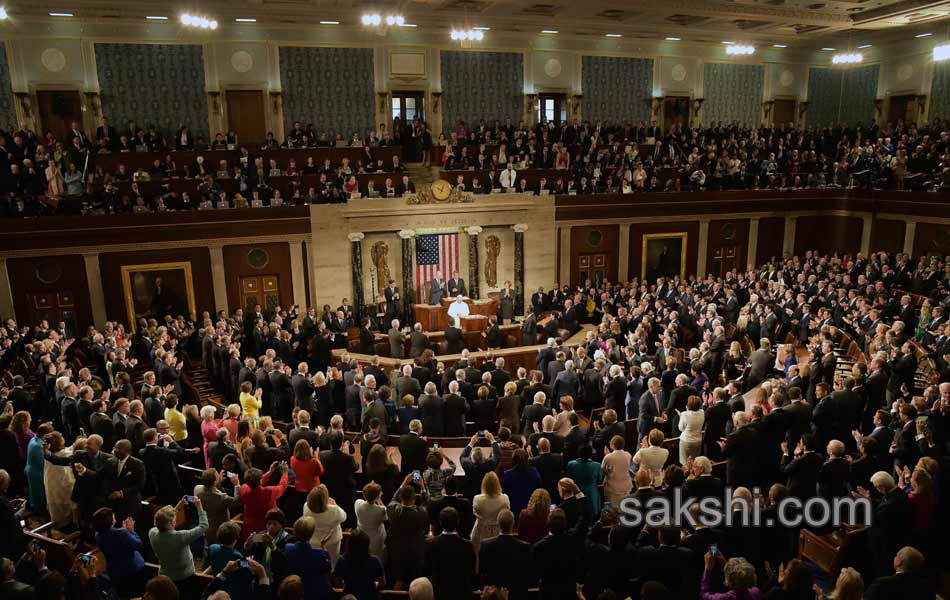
260,289
246,115
675,111
724,259
783,112
902,108
592,267
58,110
54,307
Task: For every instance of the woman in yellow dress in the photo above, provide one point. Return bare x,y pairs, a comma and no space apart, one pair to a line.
251,403
177,425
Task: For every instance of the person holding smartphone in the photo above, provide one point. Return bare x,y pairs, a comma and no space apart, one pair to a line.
173,547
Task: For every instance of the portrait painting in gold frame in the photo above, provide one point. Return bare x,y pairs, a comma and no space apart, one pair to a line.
152,291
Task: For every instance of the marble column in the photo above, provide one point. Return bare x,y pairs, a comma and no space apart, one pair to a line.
356,271
312,287
866,235
788,240
702,247
473,232
623,253
519,229
753,241
218,280
565,267
97,297
297,273
910,232
408,267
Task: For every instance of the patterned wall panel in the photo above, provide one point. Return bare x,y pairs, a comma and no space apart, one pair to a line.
7,106
842,95
616,88
478,85
940,91
333,88
160,84
733,92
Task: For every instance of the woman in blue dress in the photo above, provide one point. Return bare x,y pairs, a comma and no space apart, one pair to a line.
34,469
587,474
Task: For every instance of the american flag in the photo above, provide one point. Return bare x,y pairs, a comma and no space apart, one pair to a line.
435,252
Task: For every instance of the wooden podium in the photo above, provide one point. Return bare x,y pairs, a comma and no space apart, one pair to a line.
435,317
475,323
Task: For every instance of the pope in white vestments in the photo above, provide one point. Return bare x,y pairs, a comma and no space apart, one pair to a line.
457,310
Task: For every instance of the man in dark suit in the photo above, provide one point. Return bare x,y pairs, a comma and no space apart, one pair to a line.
910,580
741,451
802,470
718,418
413,449
418,342
702,483
456,286
397,340
534,412
392,301
160,457
340,472
549,465
650,410
529,330
761,362
505,561
282,392
436,289
455,409
301,432
614,391
135,425
367,338
454,340
124,479
670,564
450,560
303,388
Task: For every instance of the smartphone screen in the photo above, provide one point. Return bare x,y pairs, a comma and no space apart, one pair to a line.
714,549
190,499
243,564
416,475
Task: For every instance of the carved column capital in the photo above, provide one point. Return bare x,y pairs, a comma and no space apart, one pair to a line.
406,234
356,236
520,227
473,230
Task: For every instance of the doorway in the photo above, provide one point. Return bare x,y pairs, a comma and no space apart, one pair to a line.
675,111
260,289
54,307
552,108
902,108
783,112
591,267
724,259
408,106
58,110
246,115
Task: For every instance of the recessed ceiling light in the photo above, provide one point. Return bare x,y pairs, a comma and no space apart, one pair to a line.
549,31
828,49
60,14
864,46
779,46
329,22
672,39
3,13
482,28
614,35
156,18
408,25
920,35
244,20
727,43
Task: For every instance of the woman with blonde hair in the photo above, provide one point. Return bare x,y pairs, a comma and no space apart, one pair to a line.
652,455
533,520
734,362
251,402
691,429
486,507
327,517
616,469
849,586
371,516
562,421
321,399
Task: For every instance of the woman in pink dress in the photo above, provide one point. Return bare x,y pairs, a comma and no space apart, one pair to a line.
209,429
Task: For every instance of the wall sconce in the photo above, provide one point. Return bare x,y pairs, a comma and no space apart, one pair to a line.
767,107
383,97
436,101
878,107
657,105
697,106
215,102
26,104
576,107
275,102
529,102
802,109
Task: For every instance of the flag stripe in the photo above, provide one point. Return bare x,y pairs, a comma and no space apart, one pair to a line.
435,252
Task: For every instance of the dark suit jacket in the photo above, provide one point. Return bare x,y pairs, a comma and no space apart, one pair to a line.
432,415
802,472
413,450
129,482
456,407
900,586
742,454
505,562
303,392
454,341
450,565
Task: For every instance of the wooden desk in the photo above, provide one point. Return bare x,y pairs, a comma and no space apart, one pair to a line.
474,323
435,317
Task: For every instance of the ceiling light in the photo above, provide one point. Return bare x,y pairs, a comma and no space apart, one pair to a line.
213,24
373,19
864,46
465,35
200,22
847,59
549,31
153,18
942,52
482,28
672,39
243,20
408,25
727,43
614,35
329,22
828,49
779,46
920,35
737,50
60,14
3,13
